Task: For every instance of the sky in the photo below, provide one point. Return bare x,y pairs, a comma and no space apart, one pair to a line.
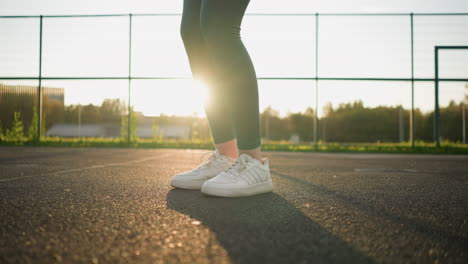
280,46
49,7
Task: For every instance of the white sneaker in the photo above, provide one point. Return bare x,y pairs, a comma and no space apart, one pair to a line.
247,176
211,167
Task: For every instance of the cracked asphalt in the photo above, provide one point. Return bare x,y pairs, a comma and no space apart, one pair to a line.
87,205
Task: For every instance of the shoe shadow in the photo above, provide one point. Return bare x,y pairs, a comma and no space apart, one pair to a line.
264,229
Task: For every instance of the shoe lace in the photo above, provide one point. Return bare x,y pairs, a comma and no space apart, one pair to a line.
208,161
237,166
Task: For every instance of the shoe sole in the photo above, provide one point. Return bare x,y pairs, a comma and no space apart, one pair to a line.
190,185
254,189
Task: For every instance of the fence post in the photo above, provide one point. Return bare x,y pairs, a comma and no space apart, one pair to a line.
316,77
412,82
129,78
436,110
463,124
401,126
39,87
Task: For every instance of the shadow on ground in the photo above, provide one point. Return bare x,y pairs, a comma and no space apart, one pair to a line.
442,234
264,229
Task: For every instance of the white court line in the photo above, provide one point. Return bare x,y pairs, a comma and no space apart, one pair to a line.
384,170
86,168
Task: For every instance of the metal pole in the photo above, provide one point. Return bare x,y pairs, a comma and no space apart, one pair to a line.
436,110
129,78
316,77
39,88
79,120
463,123
401,124
412,84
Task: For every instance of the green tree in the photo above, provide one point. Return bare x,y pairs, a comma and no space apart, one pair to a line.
133,126
16,132
90,114
272,126
1,131
32,132
450,122
155,131
44,124
352,122
111,110
303,124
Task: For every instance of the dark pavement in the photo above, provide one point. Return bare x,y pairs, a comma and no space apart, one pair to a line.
116,206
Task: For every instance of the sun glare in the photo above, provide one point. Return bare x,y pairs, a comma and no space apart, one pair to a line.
191,99
202,90
170,97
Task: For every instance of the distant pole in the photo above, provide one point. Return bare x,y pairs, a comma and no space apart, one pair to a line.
267,125
402,125
39,88
463,116
79,120
324,131
316,77
463,123
129,78
411,128
436,110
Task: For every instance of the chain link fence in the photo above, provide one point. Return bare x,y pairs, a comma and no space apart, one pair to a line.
303,59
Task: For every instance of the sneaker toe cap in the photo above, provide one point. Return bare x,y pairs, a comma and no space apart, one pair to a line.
220,179
187,176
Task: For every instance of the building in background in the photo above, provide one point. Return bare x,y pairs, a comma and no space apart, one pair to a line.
163,131
23,98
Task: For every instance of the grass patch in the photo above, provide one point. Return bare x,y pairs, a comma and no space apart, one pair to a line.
420,147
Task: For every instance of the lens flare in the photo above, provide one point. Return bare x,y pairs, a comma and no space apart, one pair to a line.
202,89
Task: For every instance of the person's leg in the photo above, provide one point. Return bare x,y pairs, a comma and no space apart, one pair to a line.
220,25
228,148
217,110
193,40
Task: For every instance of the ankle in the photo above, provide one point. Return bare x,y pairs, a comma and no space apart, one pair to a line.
229,154
228,148
254,153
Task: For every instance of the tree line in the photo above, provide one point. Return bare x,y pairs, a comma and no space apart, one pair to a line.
348,122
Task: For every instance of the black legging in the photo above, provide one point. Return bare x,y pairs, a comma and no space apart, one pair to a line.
210,30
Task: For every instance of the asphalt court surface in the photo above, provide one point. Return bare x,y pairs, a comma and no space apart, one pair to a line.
103,205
